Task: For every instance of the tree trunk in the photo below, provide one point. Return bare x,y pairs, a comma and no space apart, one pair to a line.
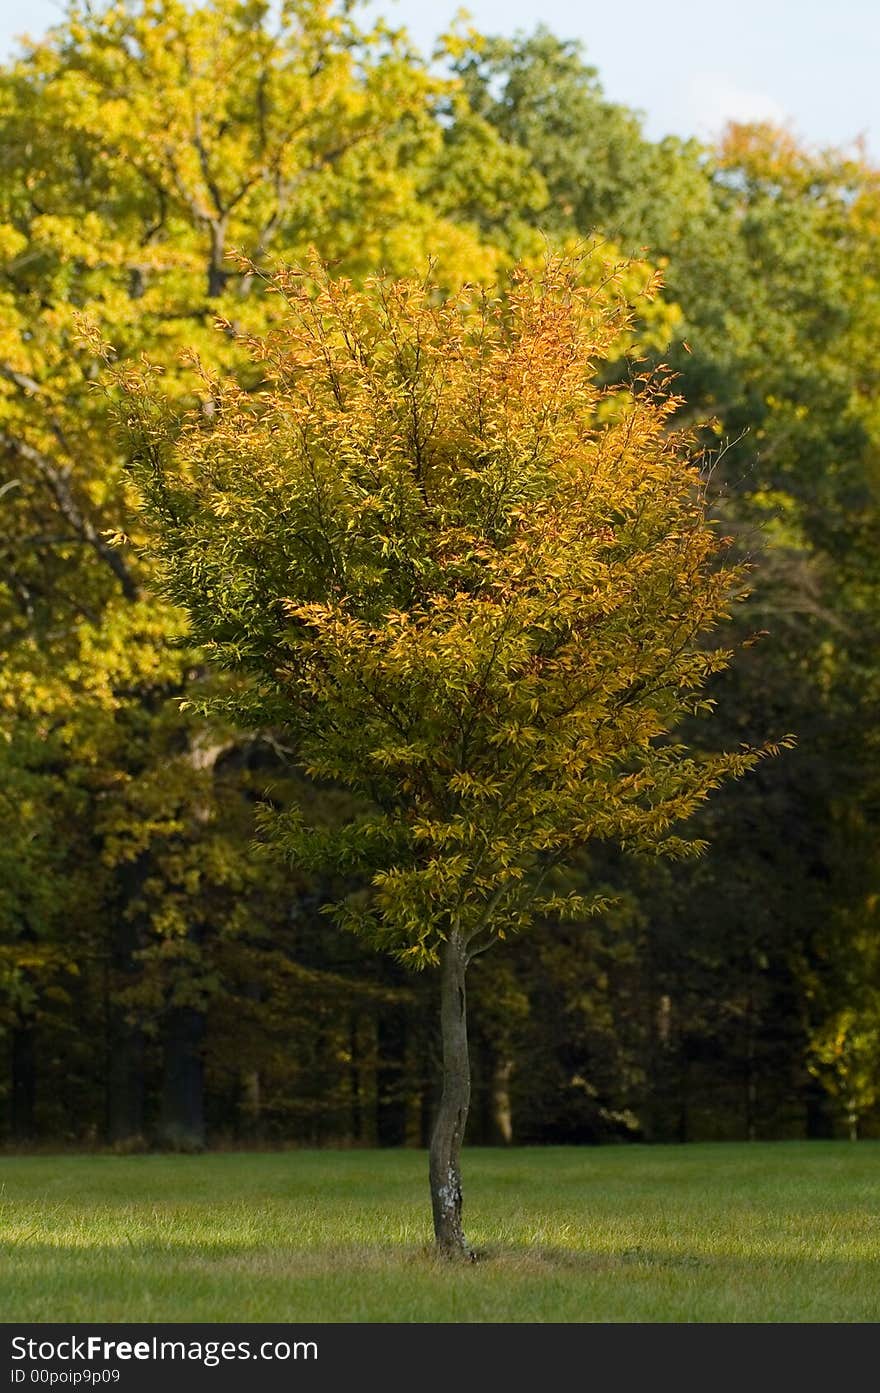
354,1083
751,1099
817,1120
183,1119
251,1103
125,1083
217,271
445,1155
684,1070
384,1083
124,1041
502,1113
182,1123
415,1131
24,1080
366,1121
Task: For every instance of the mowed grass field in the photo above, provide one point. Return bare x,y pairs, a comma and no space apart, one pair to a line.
762,1232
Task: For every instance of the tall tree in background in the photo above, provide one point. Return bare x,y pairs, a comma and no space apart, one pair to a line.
469,585
138,144
769,250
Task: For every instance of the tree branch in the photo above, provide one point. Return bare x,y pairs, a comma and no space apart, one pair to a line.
57,483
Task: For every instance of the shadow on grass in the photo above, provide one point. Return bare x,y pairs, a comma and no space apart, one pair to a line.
405,1258
219,1254
410,1282
540,1256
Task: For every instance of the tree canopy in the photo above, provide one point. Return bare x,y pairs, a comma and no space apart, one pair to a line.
141,145
469,584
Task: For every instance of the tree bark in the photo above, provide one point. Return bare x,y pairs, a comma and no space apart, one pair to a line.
445,1154
24,1080
817,1120
502,1112
384,1082
365,1113
751,1099
182,1124
684,1070
218,273
183,1120
251,1103
125,1083
125,1086
416,1128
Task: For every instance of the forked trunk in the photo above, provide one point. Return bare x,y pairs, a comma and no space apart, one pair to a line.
445,1163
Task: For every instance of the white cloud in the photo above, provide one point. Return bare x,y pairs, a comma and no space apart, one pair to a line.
714,99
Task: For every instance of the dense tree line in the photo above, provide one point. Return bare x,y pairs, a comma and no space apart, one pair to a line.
161,978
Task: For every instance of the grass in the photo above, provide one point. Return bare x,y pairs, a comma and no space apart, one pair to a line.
764,1232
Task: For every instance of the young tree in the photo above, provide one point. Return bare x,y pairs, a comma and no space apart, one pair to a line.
469,583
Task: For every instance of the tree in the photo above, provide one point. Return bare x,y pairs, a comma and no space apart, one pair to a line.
469,584
137,142
601,172
769,250
845,1056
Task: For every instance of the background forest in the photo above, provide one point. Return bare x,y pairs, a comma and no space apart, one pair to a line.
161,980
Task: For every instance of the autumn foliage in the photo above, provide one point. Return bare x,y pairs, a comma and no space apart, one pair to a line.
471,582
735,995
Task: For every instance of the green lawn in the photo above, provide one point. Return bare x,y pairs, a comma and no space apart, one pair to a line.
784,1231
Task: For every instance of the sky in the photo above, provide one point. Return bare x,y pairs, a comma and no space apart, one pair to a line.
688,65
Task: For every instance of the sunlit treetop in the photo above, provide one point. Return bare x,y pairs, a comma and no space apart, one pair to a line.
470,583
